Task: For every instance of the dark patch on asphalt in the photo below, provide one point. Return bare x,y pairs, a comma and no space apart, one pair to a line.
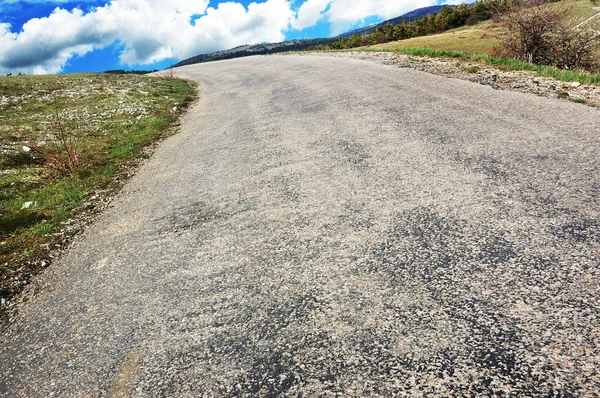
287,186
305,103
280,94
432,246
594,194
445,257
436,136
580,231
357,216
541,203
252,80
353,153
187,217
263,343
487,165
270,158
277,370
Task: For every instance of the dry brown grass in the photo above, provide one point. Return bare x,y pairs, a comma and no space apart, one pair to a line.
479,39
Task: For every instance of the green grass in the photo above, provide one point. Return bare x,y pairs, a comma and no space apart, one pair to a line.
511,64
110,119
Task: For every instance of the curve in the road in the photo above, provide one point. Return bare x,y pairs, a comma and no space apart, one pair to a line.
326,226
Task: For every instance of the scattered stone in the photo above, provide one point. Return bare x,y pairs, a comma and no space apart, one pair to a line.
521,81
28,205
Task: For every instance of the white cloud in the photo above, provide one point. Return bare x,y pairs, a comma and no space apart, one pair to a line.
149,31
344,14
310,13
155,30
356,10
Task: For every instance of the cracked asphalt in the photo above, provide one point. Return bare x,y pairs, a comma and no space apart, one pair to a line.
334,227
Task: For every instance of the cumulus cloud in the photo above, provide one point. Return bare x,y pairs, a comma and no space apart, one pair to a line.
148,31
354,10
343,14
309,13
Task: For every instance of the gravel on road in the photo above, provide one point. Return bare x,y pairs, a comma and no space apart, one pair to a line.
334,227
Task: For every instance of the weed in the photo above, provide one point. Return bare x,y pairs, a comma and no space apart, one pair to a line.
473,69
168,74
64,155
562,94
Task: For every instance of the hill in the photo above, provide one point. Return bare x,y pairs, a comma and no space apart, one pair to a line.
300,45
257,49
478,39
408,17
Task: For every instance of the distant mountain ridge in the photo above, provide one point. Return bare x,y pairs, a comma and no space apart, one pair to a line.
257,49
300,45
408,17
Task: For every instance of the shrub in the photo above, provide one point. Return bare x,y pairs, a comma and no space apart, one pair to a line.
542,32
64,155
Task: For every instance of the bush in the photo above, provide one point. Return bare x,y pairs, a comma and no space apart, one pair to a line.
65,154
542,32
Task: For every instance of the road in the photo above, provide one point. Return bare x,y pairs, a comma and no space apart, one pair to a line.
328,226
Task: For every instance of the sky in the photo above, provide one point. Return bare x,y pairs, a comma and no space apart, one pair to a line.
64,36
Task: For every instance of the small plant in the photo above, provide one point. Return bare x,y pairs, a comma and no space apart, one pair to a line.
472,69
63,155
580,101
562,94
168,74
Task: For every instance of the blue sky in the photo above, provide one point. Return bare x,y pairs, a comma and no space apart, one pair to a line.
63,36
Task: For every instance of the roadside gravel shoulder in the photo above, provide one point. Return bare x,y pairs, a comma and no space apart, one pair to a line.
482,73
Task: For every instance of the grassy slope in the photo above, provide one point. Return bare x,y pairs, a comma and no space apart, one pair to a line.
111,118
479,39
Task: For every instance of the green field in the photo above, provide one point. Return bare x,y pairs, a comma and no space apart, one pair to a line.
64,137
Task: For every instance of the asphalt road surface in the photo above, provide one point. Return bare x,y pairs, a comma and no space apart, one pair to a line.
328,226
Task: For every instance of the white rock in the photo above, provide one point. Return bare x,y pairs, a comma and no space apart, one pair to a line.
28,205
575,84
26,148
